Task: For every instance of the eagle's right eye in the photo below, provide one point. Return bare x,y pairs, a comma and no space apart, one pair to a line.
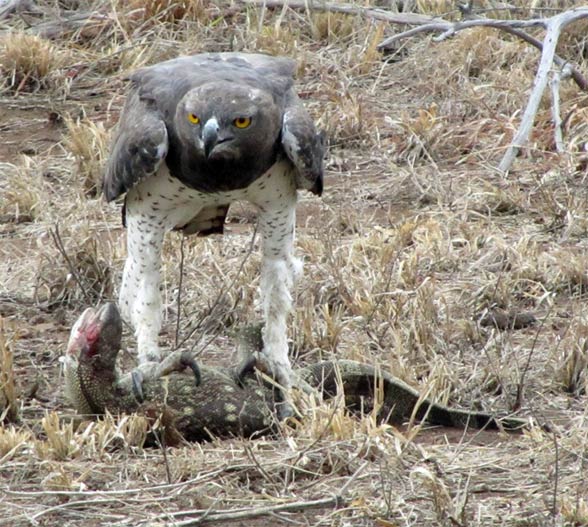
193,118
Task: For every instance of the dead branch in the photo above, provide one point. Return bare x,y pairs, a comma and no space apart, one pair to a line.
375,14
513,27
554,26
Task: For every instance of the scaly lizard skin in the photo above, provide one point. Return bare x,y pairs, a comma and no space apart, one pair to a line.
220,402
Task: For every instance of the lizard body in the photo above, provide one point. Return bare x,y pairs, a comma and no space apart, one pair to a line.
233,403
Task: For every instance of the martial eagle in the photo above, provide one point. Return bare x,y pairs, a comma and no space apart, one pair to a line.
196,134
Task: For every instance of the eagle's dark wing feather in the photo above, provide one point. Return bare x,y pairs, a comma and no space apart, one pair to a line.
140,145
303,145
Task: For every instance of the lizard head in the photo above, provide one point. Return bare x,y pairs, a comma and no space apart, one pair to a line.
93,346
96,335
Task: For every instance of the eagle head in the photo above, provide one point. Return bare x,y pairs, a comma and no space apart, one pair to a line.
230,125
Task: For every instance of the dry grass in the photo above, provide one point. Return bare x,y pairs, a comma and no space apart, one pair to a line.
9,401
88,142
29,62
21,191
416,239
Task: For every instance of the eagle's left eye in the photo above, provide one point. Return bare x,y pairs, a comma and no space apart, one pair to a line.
242,122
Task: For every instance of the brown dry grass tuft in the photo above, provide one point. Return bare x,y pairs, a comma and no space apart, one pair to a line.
21,192
169,11
59,443
12,440
9,393
88,141
332,27
572,366
29,62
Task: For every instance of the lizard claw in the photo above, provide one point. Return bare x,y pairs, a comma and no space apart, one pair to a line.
187,361
137,385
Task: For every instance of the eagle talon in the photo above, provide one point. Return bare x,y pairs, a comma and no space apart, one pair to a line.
285,410
246,368
137,385
187,361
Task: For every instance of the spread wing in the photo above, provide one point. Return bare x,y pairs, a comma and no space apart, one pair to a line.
139,147
303,144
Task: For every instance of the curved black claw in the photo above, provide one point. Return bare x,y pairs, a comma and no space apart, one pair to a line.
190,362
284,410
137,385
246,368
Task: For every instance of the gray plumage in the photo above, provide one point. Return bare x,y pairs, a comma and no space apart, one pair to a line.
153,125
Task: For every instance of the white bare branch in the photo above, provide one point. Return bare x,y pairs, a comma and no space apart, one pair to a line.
557,76
554,26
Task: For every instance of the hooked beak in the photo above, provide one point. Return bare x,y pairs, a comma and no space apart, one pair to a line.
210,136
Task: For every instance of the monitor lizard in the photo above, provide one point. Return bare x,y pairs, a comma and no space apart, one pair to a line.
222,402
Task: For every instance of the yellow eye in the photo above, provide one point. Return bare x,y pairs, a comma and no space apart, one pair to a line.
242,122
193,118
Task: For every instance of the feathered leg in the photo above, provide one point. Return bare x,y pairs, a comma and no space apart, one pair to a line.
279,272
140,299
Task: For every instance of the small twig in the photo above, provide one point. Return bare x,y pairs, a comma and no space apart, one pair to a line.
556,480
56,236
255,461
352,479
521,384
220,295
317,440
160,440
238,514
241,514
179,298
81,503
17,7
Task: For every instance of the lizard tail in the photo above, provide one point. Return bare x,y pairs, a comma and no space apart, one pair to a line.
361,383
441,415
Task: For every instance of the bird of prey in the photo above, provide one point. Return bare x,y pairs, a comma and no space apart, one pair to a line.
197,133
